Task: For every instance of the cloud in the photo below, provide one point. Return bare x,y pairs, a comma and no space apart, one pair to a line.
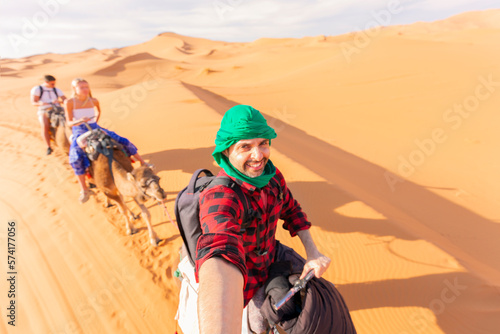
39,26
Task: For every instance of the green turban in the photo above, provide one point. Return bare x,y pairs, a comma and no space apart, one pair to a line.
243,122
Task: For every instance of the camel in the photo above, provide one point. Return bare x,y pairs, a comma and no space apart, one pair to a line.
140,183
59,132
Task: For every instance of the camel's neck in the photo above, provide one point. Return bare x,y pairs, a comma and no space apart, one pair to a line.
125,187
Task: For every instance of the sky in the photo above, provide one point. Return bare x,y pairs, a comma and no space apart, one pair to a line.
29,27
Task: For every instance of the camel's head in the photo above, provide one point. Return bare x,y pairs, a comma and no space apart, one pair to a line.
148,183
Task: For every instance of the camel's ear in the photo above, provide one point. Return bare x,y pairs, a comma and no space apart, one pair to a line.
130,177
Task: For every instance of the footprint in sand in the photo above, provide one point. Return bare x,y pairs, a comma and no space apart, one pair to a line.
85,268
120,321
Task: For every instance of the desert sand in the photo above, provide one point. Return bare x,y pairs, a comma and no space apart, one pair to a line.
388,138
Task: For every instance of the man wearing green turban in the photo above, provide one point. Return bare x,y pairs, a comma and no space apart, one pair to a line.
244,123
232,264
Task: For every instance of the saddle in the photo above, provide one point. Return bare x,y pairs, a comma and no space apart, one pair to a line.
56,116
95,142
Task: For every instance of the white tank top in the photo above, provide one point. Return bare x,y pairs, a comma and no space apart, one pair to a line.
84,112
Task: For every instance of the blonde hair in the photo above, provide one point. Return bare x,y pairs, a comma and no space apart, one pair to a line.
75,82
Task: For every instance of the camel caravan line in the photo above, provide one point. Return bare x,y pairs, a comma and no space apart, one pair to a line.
95,153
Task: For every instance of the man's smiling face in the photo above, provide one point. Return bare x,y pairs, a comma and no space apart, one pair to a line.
249,156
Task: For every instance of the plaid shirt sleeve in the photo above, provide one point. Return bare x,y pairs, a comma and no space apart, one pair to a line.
220,213
294,218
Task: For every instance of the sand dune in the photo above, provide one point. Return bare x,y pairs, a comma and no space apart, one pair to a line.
388,141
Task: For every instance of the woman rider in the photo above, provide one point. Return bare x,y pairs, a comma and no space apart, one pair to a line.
80,109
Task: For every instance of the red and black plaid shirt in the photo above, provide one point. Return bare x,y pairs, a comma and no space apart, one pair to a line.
221,214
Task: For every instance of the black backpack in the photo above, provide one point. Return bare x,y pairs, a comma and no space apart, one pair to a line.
42,90
187,209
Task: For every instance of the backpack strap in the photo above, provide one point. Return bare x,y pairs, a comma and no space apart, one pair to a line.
191,188
228,182
41,92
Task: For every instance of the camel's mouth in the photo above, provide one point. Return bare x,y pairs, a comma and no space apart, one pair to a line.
152,188
160,195
163,195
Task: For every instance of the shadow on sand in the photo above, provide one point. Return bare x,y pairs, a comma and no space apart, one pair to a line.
411,210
